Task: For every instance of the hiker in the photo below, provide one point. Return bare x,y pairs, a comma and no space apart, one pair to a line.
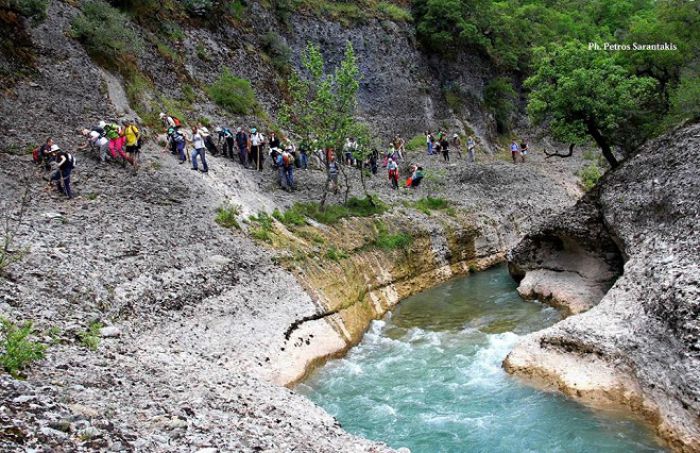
116,143
132,137
179,140
393,173
416,176
445,147
523,150
167,120
429,142
514,151
242,143
96,142
226,136
332,172
303,156
471,147
199,150
373,161
257,142
399,145
349,148
275,148
457,144
208,141
42,154
285,163
65,163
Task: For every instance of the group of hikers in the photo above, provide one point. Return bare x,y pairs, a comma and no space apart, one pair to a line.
518,150
439,143
121,142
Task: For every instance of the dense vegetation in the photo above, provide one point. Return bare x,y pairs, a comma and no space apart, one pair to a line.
617,98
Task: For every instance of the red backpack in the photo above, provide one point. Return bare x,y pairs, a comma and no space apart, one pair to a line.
35,154
176,121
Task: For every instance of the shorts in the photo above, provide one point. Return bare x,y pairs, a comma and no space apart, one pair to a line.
133,149
523,152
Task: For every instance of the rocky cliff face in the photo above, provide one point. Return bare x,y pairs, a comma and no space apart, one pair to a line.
640,344
402,90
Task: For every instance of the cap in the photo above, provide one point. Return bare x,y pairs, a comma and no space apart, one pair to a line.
55,148
218,129
253,130
161,115
102,124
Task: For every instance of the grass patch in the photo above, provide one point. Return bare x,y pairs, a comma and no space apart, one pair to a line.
336,254
290,218
311,236
278,51
227,216
18,350
234,94
390,241
428,204
263,228
589,176
236,9
417,143
394,12
355,207
90,338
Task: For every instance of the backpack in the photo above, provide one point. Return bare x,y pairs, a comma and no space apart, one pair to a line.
177,121
35,155
286,159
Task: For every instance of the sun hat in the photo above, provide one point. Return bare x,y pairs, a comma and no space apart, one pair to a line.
55,148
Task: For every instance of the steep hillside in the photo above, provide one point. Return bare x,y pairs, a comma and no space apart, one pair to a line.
638,345
171,56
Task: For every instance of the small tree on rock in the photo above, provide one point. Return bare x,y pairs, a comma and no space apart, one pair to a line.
322,105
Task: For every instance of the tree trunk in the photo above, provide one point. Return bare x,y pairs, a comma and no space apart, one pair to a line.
347,183
602,142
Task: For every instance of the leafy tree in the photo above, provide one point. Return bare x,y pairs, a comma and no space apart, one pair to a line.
580,93
322,105
499,97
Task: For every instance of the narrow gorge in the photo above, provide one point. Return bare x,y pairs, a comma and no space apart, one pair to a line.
508,295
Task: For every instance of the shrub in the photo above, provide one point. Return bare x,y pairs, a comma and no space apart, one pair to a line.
233,94
264,227
237,9
198,7
90,338
427,204
290,218
499,97
18,350
388,241
416,143
453,96
394,12
105,34
336,254
278,51
226,216
32,9
355,207
590,174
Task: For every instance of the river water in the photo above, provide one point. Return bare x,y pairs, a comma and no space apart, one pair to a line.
428,377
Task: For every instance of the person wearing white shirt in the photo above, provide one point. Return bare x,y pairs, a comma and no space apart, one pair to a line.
199,150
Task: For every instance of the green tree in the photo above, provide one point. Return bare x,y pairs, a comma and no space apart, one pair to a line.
322,105
579,93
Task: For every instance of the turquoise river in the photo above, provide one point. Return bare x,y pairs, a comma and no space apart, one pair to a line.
428,377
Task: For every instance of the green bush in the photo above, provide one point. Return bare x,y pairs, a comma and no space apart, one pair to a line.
263,228
290,218
499,97
389,241
590,174
336,254
237,9
394,12
417,143
233,94
227,216
198,7
105,34
278,51
428,204
90,338
355,207
16,349
32,9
